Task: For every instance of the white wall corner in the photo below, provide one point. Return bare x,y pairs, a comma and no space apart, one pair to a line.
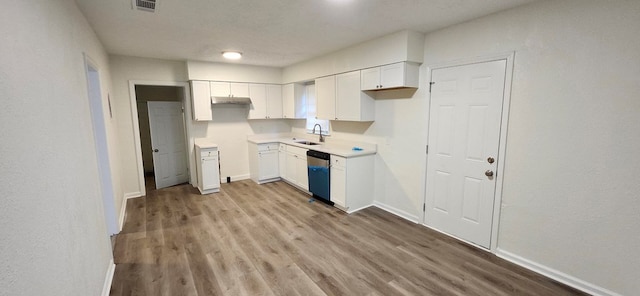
106,288
555,274
400,213
123,213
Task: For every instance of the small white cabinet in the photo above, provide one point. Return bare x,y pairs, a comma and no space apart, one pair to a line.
293,101
229,89
398,75
352,104
326,97
264,162
296,167
266,101
201,100
352,182
207,169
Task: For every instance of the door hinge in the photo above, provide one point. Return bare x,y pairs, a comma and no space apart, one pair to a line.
424,207
427,149
431,84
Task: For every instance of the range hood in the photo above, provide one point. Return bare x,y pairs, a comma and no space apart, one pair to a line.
231,100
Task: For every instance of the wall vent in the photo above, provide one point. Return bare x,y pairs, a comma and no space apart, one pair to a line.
146,5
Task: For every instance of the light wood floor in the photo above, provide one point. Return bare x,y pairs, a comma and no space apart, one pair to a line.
269,240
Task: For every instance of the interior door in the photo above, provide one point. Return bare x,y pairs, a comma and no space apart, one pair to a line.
464,134
168,142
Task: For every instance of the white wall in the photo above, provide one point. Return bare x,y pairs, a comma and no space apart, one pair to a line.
570,199
54,236
571,187
124,69
392,48
233,72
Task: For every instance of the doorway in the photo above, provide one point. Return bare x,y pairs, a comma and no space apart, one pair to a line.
163,141
100,140
467,132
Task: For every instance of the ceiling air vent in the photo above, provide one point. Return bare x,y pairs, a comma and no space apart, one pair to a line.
146,5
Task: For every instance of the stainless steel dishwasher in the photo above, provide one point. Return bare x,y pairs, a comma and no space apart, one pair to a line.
318,170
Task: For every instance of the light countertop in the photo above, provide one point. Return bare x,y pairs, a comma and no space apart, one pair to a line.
340,149
204,143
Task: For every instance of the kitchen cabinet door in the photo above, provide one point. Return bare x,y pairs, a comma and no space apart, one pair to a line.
351,103
293,101
338,176
258,107
398,75
274,101
370,78
392,75
291,168
282,161
220,89
239,89
201,100
229,89
268,165
302,174
326,97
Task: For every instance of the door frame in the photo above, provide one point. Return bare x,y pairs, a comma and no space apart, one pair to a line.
186,104
101,142
502,146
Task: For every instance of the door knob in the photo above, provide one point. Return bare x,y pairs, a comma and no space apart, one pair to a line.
488,173
155,150
490,159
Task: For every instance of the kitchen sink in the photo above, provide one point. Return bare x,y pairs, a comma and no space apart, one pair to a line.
307,143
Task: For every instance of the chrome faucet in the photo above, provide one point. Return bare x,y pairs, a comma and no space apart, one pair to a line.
314,131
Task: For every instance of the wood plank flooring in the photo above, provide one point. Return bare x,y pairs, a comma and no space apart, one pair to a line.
270,240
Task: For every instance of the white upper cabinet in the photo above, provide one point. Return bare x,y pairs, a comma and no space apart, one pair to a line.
351,103
293,101
266,101
229,89
326,97
398,75
274,100
201,100
258,108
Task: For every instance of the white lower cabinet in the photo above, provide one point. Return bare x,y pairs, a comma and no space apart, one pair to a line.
352,182
264,162
296,167
282,160
207,169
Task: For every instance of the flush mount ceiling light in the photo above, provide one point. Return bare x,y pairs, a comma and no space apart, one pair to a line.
232,55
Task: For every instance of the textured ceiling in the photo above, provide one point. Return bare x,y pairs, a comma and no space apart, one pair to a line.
268,32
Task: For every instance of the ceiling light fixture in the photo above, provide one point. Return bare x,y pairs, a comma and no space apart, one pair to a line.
232,55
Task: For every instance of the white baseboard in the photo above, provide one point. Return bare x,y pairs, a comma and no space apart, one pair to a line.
106,288
555,274
132,194
397,212
358,209
234,178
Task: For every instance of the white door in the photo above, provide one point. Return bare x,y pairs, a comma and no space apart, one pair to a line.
464,134
168,143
